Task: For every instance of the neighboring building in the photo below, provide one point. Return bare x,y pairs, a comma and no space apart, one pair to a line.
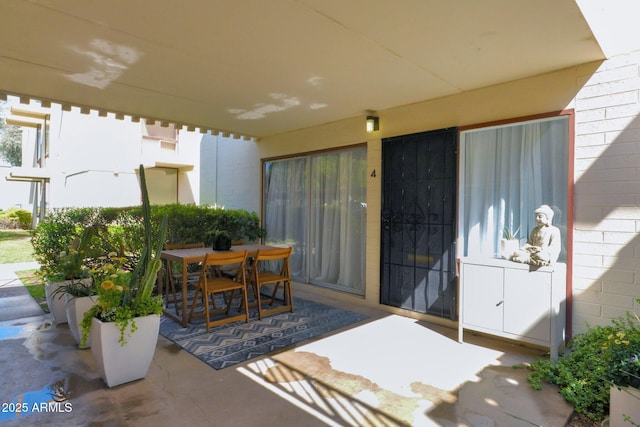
228,173
71,159
13,194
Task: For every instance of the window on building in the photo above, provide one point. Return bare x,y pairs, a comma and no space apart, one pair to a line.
317,204
506,172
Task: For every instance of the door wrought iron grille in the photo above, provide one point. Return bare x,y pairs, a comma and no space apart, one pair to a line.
419,174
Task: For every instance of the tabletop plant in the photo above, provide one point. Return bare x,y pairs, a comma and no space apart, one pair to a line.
124,295
509,234
219,240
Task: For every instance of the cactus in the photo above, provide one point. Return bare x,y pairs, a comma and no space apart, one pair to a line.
146,271
122,304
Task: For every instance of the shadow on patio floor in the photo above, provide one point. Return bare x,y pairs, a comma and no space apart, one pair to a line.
386,371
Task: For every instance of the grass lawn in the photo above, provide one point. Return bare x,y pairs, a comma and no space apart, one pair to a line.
35,286
15,246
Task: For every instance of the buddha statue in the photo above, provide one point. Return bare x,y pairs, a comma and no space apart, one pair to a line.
543,246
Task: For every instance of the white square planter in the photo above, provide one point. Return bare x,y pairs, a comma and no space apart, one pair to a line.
120,364
508,247
57,302
75,309
625,401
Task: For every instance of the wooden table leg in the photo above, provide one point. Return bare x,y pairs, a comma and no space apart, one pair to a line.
183,303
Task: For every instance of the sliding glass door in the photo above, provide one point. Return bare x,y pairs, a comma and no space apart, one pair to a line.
317,204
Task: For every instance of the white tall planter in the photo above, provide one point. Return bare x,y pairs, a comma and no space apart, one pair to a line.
120,364
75,309
57,302
625,401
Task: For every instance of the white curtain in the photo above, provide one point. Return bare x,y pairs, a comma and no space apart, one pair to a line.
285,207
338,219
506,173
330,191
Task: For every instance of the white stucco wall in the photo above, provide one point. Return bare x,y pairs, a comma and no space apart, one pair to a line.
93,161
18,194
230,173
13,194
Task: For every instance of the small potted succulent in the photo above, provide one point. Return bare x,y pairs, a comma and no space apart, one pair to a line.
510,242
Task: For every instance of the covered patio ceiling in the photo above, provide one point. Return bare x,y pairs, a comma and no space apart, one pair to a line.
260,68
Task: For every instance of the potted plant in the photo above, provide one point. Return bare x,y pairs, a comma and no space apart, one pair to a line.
78,296
623,349
220,240
510,242
68,275
125,321
81,296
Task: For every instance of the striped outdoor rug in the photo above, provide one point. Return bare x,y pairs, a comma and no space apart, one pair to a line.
237,342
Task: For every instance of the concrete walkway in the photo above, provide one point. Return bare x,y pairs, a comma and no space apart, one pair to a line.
387,370
15,300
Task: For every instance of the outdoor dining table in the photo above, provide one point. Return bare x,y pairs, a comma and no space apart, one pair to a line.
195,256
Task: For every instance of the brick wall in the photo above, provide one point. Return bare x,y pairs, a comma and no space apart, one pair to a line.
606,275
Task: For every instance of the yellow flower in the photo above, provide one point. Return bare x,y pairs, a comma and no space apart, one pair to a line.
107,284
119,288
620,334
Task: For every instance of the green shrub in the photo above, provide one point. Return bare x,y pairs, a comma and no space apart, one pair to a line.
190,223
57,232
14,218
120,230
601,357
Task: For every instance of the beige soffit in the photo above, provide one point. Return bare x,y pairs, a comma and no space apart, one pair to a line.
259,68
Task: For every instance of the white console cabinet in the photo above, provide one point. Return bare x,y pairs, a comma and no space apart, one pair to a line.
513,300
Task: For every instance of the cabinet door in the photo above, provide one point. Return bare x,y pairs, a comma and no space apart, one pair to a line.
527,297
483,296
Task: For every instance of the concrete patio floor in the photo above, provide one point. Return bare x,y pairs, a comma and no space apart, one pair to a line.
388,370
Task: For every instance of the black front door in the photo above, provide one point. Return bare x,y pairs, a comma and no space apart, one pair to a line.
418,222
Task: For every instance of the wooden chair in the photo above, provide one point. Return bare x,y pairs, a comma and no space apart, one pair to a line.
262,274
174,279
212,283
